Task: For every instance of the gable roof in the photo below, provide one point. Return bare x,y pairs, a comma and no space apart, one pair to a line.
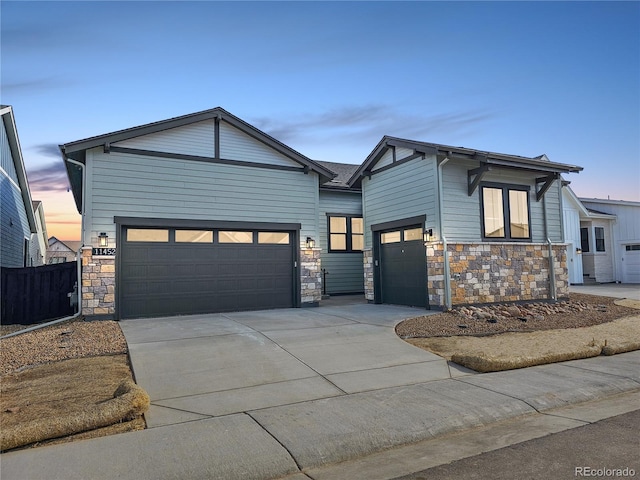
537,164
6,111
76,150
343,172
72,245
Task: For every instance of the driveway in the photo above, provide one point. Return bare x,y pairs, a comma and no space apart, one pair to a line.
201,366
616,290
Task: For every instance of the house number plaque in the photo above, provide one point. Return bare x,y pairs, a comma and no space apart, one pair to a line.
103,251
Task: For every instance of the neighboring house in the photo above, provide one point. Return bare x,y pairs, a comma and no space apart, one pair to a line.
39,239
19,234
610,244
206,213
62,251
489,222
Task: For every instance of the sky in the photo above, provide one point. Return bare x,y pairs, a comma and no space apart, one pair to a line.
329,79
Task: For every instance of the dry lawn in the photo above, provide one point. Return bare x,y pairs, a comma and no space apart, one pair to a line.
581,335
65,382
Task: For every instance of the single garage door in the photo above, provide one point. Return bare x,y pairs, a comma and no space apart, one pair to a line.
631,263
173,271
403,267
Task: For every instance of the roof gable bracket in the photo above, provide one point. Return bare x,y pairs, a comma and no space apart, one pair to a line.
106,148
479,173
548,181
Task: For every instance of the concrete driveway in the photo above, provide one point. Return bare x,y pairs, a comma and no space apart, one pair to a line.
202,366
616,290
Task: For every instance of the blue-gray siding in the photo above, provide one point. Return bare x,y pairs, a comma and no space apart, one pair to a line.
407,190
14,225
345,270
462,213
141,186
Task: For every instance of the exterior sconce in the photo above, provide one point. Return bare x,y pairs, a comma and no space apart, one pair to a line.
310,242
103,239
428,235
578,250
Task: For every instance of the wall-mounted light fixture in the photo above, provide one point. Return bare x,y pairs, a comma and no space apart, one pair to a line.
310,242
578,250
428,235
103,239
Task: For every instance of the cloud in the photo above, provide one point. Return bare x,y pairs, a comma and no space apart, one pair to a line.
48,178
47,150
44,83
367,124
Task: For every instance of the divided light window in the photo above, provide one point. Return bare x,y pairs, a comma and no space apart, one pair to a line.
599,239
584,239
346,233
505,212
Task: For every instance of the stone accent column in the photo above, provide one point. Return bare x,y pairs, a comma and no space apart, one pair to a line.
310,277
98,285
367,256
435,274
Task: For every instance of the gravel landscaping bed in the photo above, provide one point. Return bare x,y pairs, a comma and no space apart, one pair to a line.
74,339
578,311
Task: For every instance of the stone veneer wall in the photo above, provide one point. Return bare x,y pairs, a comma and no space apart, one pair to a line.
367,256
496,272
98,284
310,276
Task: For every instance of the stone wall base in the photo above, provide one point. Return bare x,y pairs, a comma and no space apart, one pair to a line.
310,277
98,286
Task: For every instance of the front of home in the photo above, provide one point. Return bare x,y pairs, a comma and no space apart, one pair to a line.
205,213
200,213
491,224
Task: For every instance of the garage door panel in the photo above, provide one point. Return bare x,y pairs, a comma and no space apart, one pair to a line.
158,279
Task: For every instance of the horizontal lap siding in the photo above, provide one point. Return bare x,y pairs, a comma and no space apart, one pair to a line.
406,190
462,213
346,273
139,186
195,139
236,145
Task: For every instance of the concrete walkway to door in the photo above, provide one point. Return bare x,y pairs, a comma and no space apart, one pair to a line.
200,366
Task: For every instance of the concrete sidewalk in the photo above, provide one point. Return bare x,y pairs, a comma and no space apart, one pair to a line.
616,290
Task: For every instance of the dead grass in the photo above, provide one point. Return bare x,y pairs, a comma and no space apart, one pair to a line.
517,350
69,397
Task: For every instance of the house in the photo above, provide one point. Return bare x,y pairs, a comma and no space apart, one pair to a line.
19,225
59,251
206,213
606,236
491,224
39,243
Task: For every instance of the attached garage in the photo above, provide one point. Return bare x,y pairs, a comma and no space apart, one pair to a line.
631,263
204,267
400,258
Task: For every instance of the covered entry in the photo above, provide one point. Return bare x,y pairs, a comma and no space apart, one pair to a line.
400,261
190,269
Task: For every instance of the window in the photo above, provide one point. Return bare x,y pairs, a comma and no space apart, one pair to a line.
584,239
632,248
279,238
599,239
194,236
505,212
147,235
235,237
346,233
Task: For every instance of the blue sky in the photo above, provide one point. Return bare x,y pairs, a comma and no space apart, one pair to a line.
331,78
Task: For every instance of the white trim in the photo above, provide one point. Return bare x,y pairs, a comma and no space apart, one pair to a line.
13,182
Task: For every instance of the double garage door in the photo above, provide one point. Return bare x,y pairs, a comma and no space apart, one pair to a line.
181,271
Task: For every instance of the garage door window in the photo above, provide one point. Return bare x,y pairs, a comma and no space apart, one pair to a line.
235,237
194,236
147,235
279,238
390,237
632,248
413,234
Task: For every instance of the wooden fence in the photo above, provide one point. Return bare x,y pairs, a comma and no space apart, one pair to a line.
36,294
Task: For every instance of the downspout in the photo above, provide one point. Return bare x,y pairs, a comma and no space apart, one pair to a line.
552,267
445,251
79,282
